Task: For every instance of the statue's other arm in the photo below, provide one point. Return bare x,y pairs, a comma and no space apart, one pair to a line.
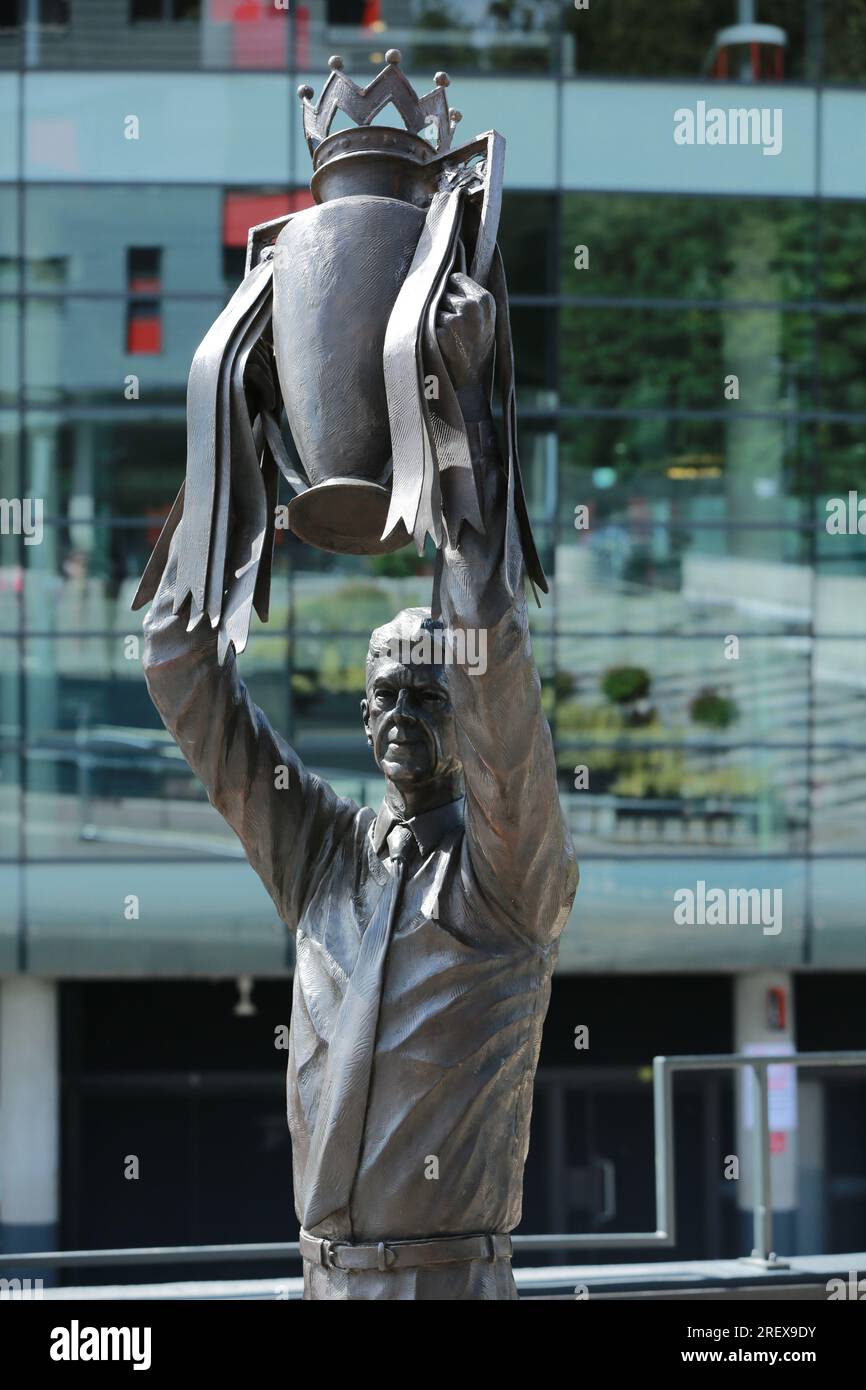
287,819
518,844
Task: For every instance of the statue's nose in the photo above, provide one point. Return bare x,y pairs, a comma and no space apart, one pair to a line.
403,707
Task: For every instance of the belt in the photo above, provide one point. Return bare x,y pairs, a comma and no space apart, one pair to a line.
402,1254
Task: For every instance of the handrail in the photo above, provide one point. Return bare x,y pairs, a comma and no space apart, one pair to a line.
663,1236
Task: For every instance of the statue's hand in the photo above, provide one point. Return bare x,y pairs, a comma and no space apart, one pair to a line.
466,329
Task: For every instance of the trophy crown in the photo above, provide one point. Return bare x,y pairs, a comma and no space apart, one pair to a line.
363,104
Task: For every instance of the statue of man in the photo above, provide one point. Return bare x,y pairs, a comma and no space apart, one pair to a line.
427,932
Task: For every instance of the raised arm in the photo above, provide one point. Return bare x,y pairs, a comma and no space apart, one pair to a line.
288,821
517,841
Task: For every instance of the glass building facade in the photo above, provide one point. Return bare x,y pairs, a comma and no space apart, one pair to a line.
140,143
690,335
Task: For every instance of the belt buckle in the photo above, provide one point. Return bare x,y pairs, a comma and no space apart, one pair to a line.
328,1254
386,1256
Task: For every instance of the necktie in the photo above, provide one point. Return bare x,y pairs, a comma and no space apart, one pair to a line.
400,842
335,1144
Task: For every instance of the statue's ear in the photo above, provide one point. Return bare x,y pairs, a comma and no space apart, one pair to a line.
365,715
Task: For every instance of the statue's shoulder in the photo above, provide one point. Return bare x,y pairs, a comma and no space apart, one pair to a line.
359,825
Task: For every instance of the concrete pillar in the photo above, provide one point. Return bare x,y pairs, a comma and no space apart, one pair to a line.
29,1114
764,1024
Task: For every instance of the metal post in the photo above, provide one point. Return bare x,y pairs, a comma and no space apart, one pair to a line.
663,1139
763,1198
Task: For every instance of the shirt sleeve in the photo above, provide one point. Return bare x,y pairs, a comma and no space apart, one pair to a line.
518,845
289,821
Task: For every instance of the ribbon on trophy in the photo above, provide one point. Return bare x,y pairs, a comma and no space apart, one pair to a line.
432,429
228,498
429,430
517,507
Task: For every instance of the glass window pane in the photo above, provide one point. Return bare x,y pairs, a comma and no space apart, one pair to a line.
746,473
670,359
843,265
78,350
527,239
626,39
671,247
844,39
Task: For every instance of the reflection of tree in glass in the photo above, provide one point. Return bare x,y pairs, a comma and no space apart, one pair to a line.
629,38
713,710
624,685
438,17
602,734
520,17
670,355
844,42
401,564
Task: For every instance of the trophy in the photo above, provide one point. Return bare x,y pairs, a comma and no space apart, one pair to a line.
342,299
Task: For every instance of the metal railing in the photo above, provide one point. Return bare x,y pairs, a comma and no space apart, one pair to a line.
762,1197
664,1236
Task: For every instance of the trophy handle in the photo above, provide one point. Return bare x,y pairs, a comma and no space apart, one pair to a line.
262,235
488,192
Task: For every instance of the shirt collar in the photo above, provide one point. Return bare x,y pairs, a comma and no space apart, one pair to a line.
429,828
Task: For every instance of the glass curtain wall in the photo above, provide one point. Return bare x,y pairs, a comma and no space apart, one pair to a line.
692,394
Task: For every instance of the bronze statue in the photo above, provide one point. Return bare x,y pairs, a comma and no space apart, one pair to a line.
426,933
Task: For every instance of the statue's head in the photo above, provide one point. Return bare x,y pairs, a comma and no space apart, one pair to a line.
407,711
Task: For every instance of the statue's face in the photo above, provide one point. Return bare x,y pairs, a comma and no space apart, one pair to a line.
410,722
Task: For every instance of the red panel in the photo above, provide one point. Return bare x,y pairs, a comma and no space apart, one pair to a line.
244,210
257,42
144,284
144,335
302,37
776,1008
